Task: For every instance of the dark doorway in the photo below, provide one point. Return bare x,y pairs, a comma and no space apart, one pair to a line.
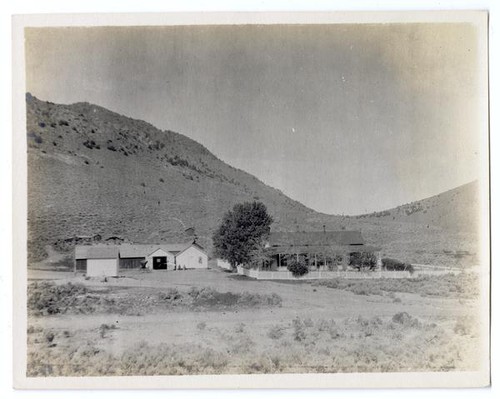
159,263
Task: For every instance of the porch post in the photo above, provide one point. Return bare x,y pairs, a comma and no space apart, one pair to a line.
379,260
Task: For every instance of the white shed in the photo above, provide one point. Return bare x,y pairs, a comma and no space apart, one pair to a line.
97,261
192,257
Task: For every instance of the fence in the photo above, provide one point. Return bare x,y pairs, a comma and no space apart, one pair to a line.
223,264
315,275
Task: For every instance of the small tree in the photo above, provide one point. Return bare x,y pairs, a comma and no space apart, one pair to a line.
240,234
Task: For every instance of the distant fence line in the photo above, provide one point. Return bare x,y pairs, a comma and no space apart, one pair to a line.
316,275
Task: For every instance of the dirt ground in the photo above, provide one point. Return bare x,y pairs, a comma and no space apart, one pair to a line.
314,328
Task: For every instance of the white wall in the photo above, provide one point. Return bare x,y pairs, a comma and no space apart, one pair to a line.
102,267
191,259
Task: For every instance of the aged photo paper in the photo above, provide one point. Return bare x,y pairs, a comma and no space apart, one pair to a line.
251,200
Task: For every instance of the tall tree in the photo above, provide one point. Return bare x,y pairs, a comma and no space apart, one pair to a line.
241,232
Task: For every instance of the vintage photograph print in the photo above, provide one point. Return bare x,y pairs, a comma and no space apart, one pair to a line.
296,200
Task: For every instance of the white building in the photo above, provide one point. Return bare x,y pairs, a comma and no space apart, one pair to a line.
97,261
107,260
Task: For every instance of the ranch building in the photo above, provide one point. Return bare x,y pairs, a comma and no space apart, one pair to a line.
108,260
319,250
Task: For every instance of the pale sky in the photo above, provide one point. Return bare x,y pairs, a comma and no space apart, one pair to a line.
343,118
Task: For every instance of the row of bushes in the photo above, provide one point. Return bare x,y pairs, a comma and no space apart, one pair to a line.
359,261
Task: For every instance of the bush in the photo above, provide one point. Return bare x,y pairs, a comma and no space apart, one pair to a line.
275,332
363,260
104,328
49,336
201,325
298,268
406,320
299,329
396,265
91,144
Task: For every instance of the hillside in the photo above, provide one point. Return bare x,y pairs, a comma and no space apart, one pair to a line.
455,209
442,229
92,171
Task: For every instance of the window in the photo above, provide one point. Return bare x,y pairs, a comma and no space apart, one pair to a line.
200,260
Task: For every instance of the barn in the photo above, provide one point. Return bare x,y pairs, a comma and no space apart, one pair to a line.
134,256
96,260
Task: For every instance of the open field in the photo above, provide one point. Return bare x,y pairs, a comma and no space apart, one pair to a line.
209,321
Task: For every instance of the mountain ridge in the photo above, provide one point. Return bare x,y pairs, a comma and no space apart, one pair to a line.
94,171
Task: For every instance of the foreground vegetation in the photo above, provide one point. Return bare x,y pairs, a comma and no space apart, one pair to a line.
47,298
462,286
399,343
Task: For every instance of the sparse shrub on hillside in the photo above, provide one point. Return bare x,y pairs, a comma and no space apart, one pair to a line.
41,124
36,138
162,180
62,122
111,147
91,144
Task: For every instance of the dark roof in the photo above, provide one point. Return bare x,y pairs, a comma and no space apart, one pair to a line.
319,249
143,250
96,252
315,238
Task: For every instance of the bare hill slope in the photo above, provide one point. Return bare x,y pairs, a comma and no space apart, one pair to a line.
456,209
92,171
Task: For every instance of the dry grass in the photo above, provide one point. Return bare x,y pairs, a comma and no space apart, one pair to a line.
400,343
47,298
463,285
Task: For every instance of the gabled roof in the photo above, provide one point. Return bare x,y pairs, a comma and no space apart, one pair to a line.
96,252
143,250
194,244
315,238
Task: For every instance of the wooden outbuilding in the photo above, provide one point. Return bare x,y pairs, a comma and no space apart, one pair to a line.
107,260
96,260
